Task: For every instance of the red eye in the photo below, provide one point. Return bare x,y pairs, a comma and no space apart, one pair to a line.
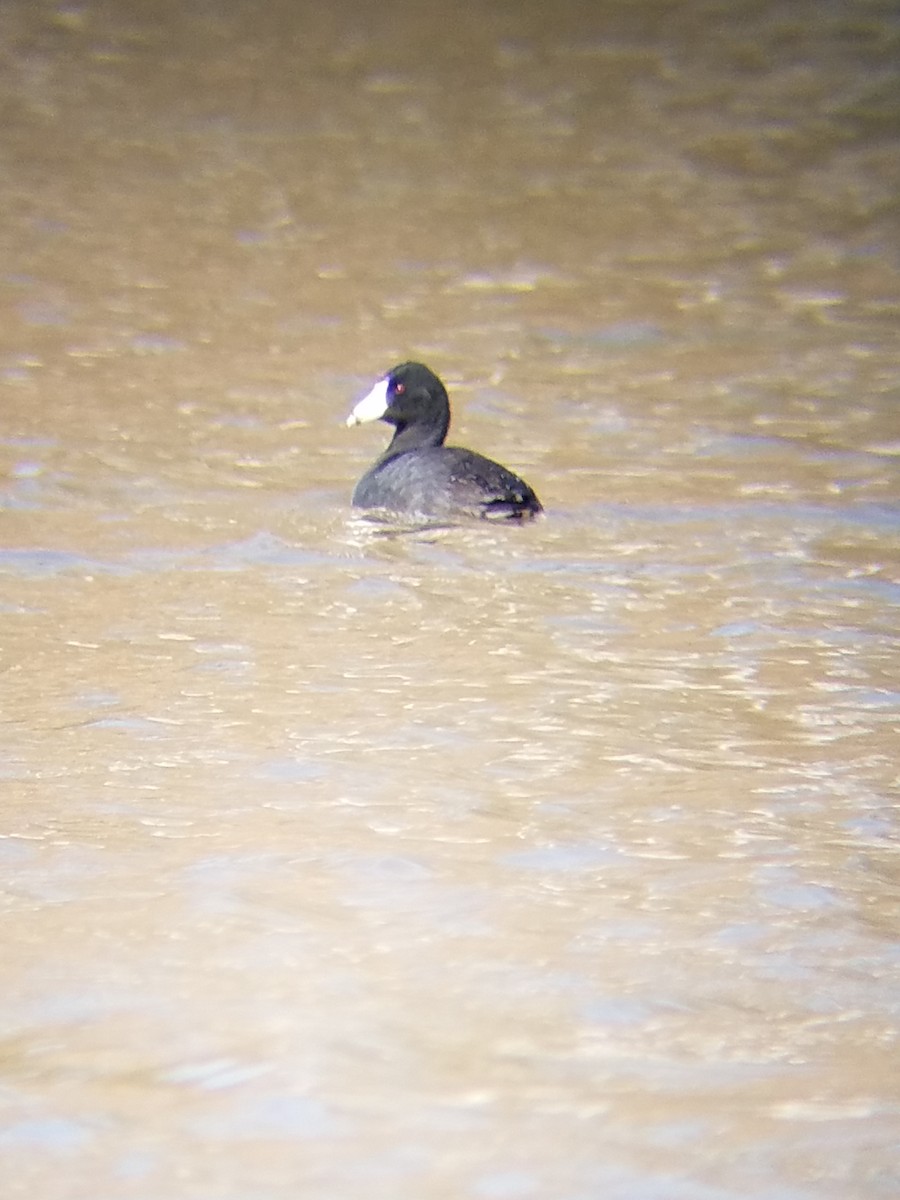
399,389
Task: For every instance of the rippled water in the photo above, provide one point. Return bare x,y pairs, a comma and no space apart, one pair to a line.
347,859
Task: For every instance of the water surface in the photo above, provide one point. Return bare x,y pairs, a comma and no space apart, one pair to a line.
545,863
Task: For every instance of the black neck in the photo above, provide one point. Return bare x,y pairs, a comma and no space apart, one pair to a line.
416,436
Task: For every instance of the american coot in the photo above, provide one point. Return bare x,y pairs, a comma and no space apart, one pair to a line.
418,473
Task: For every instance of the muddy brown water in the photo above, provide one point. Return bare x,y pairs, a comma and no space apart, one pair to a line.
344,860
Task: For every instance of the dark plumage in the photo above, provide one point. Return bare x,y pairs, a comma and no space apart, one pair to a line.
418,473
